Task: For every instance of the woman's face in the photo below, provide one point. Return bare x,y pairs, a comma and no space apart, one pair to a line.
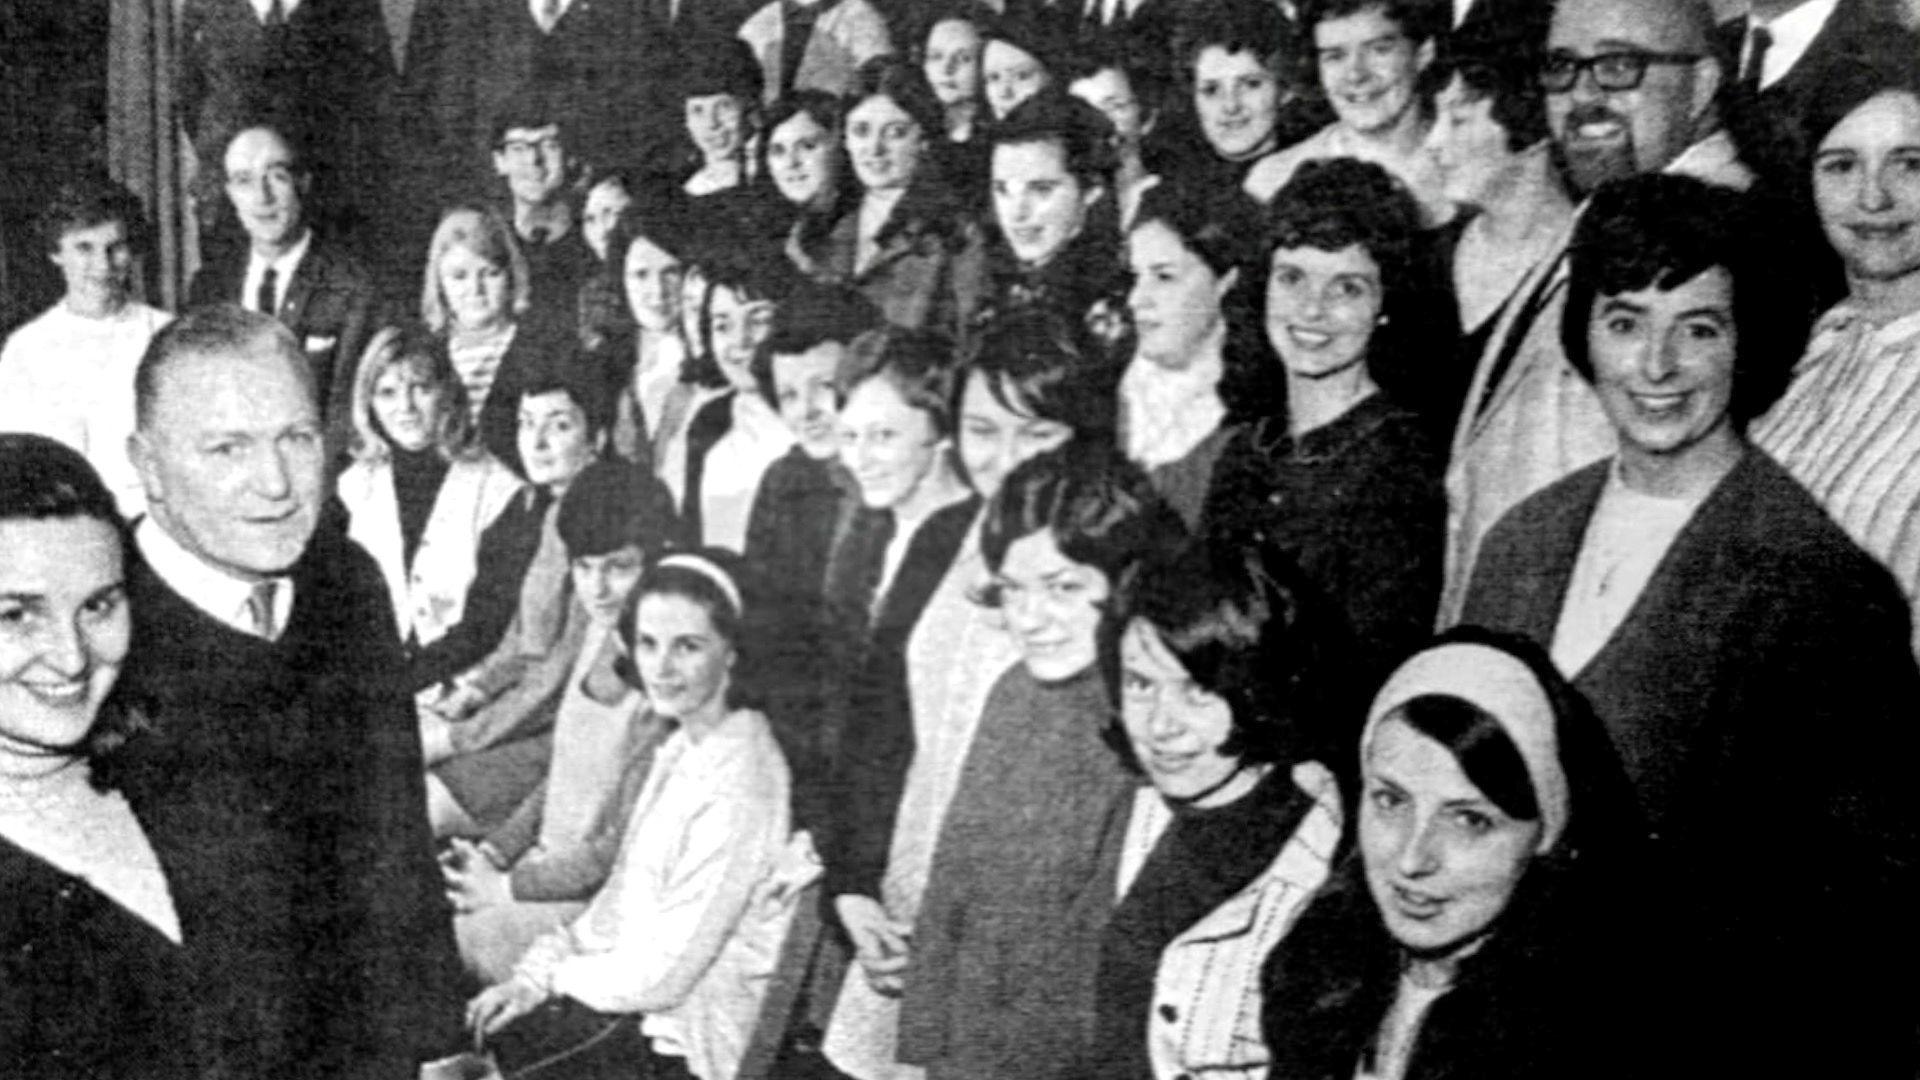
64,629
800,157
995,439
1012,75
1866,185
807,393
1369,68
1111,91
885,144
1663,363
737,325
1238,99
889,446
717,124
555,440
1175,298
1052,605
604,582
1442,860
475,289
652,276
953,61
96,262
1468,146
1322,308
408,405
1039,204
684,661
602,210
1176,726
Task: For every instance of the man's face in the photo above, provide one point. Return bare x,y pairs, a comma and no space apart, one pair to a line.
266,190
232,459
1606,134
534,163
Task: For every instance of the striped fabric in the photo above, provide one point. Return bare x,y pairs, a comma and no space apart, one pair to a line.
477,362
1848,428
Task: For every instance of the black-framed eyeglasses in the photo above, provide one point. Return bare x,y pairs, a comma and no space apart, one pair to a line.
1622,70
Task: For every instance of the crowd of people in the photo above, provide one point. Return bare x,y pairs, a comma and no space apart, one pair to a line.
1135,539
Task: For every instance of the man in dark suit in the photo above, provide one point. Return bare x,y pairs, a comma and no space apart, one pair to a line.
322,293
280,774
318,66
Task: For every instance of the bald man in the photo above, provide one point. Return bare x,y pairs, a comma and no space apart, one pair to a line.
280,780
1632,88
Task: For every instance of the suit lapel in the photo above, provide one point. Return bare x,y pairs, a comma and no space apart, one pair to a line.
306,279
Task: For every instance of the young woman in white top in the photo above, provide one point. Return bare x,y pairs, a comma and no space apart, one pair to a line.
687,928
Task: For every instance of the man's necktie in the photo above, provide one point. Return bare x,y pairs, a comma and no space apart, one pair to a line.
266,301
260,609
1762,40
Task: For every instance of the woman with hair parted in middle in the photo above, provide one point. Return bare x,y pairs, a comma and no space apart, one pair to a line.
1725,630
1490,921
995,988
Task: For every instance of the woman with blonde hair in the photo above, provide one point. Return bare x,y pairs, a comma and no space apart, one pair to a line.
419,491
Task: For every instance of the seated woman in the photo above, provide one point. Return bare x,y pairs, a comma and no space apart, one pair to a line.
95,979
1245,67
1029,389
1494,158
603,303
645,355
1057,242
475,296
1224,708
950,57
1200,367
684,932
994,987
719,87
68,374
1344,482
1716,618
534,869
419,494
1485,923
910,244
1371,56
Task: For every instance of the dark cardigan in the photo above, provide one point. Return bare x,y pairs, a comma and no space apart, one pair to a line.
282,787
1761,694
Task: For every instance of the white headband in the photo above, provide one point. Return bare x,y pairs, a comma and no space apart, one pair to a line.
1505,689
710,570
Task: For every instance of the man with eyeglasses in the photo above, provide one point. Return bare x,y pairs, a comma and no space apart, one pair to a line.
530,154
1632,87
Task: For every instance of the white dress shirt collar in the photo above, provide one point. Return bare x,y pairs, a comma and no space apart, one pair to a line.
262,7
215,592
284,268
1793,34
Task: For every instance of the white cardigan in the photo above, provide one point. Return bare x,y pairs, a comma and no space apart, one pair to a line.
688,927
429,600
1206,994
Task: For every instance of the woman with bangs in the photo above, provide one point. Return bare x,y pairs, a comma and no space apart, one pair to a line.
1200,366
1486,922
1029,389
806,155
996,986
910,243
1227,684
419,493
1344,482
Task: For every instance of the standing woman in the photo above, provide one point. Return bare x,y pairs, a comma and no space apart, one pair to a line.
996,987
719,86
91,973
1485,925
950,57
419,492
1200,364
475,296
910,245
647,258
1029,389
1206,868
1344,482
682,932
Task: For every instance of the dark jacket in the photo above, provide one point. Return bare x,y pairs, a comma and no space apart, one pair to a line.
281,784
332,309
1760,693
88,990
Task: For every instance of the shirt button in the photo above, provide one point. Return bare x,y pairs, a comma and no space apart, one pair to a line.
1169,1013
